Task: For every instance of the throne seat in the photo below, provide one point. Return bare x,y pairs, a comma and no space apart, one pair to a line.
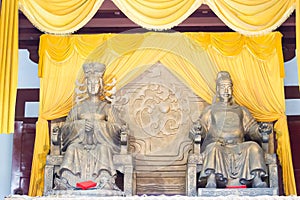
194,167
122,162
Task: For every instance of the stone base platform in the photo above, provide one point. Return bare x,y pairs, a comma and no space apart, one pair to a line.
84,193
160,197
237,192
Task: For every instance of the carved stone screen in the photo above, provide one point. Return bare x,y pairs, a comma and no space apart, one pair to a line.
159,110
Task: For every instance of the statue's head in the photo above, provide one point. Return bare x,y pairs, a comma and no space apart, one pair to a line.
224,86
93,73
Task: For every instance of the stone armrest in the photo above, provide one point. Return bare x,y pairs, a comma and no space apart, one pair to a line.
124,163
196,138
56,136
194,165
52,161
124,142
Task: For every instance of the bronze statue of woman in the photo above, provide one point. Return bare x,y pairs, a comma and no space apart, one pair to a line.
90,137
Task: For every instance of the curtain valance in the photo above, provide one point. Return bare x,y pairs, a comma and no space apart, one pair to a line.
195,58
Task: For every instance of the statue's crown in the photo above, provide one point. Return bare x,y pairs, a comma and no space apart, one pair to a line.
94,68
223,76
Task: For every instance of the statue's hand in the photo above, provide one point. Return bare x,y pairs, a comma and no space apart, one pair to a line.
89,126
196,130
265,128
124,128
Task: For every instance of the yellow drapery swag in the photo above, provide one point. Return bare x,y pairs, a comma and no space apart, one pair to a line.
8,64
247,17
59,17
256,65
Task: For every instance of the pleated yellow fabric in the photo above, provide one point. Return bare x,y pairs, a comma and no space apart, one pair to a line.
158,14
8,64
195,58
59,16
252,17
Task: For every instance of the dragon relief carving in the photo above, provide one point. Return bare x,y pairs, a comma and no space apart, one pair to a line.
156,109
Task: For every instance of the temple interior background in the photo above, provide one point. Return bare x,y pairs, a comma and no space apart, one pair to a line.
17,149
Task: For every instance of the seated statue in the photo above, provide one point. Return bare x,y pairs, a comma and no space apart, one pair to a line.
90,137
231,151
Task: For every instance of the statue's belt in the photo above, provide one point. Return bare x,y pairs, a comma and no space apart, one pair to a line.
229,141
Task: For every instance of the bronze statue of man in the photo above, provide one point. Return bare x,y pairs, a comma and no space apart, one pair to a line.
228,159
90,137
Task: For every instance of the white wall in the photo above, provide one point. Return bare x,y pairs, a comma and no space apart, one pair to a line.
6,143
291,79
28,71
28,79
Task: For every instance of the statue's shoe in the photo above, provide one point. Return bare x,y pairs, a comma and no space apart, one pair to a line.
260,184
211,184
108,186
62,184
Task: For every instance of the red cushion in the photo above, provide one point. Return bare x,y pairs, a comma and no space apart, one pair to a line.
86,184
236,186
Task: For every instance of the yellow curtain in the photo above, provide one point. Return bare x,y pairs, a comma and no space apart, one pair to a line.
128,59
59,17
158,15
252,17
194,57
8,64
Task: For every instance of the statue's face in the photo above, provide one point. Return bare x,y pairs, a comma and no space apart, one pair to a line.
224,90
94,85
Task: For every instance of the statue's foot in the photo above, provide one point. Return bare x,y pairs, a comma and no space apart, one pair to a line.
258,183
211,184
211,181
61,184
108,186
115,187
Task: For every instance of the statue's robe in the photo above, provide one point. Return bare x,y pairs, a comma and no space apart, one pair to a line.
224,149
89,153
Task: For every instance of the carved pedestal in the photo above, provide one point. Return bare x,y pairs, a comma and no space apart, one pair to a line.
237,192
